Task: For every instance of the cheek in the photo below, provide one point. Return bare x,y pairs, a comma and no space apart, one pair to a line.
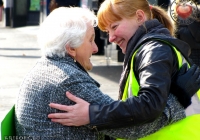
130,33
124,32
119,32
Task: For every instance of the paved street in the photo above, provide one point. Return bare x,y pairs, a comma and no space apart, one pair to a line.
19,52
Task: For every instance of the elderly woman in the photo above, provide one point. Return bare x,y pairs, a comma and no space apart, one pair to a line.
67,41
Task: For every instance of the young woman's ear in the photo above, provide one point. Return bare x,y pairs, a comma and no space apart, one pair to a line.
71,51
140,17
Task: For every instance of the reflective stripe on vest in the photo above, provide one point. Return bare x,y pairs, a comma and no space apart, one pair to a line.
185,129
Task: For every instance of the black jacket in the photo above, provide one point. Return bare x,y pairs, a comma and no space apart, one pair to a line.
155,66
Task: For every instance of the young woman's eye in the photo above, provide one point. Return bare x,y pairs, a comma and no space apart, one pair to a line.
114,27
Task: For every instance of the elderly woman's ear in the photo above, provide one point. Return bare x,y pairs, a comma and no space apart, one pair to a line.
71,51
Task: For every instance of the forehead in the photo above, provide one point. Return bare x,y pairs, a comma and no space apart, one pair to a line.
106,16
90,32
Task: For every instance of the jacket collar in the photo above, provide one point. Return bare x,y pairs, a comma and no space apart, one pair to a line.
149,27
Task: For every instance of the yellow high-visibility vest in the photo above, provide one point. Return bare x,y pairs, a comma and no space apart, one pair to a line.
185,129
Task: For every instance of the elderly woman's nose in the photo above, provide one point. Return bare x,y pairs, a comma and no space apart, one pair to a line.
95,48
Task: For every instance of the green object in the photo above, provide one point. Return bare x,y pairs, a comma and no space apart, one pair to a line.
34,5
8,125
185,129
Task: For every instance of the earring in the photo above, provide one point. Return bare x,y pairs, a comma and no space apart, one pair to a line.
75,60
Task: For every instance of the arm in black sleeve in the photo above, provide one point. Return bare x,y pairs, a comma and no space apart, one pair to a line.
154,71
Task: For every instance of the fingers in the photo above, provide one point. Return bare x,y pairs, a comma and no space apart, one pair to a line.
57,116
66,122
73,115
198,76
60,107
193,69
73,98
183,69
197,73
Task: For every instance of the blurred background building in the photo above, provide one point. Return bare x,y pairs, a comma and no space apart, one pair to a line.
19,13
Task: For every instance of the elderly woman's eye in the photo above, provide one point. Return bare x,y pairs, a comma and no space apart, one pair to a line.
92,39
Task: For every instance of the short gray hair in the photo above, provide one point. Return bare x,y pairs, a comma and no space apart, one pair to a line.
64,26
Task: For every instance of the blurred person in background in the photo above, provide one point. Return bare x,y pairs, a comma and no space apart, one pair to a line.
1,10
63,3
190,33
1,3
164,4
98,35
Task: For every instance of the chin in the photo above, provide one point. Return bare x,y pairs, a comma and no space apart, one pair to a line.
89,67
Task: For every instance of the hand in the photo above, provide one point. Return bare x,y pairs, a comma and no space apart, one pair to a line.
186,84
75,115
189,81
